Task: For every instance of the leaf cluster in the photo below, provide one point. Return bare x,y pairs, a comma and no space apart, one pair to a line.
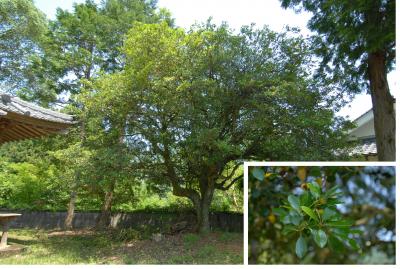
313,216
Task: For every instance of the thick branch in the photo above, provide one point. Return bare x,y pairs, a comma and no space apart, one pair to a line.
228,177
225,188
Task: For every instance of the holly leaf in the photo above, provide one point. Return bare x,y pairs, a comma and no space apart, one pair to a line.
309,212
319,237
301,247
294,202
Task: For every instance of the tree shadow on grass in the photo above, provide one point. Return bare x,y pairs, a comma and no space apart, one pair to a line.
25,242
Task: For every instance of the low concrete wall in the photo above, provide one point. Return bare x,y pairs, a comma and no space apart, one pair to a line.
232,222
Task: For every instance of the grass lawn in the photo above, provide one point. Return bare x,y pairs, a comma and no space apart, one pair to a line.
124,247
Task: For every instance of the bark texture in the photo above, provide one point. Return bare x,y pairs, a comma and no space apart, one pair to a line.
383,107
70,212
103,220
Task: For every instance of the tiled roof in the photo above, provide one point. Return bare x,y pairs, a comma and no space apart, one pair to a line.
23,120
13,104
365,149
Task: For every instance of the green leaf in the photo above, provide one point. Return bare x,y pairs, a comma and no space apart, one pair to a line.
341,233
294,202
295,218
319,237
356,231
286,219
335,244
279,212
288,229
301,247
340,223
309,212
332,191
258,173
305,199
333,202
328,214
353,244
315,189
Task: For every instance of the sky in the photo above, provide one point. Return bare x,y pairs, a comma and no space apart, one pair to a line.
236,13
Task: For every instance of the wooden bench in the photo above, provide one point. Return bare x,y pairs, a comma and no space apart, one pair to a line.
5,218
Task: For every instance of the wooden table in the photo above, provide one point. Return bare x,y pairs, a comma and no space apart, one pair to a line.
5,218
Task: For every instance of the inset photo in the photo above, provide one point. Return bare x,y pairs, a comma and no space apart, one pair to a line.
321,214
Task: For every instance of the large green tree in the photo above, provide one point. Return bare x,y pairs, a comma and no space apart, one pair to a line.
203,101
82,44
79,45
356,40
22,26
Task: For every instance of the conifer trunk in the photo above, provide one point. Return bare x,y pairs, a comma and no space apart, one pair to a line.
383,107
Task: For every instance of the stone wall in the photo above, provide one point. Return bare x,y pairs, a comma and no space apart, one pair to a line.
232,222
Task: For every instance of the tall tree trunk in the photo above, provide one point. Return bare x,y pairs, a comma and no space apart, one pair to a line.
73,195
103,220
71,210
203,209
383,107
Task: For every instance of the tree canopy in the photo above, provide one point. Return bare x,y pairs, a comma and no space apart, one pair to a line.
22,27
202,101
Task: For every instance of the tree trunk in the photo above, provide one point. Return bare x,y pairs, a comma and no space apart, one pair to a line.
103,220
383,107
203,210
71,210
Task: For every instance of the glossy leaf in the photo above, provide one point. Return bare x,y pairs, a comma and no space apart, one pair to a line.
258,173
301,247
295,218
335,244
309,212
315,189
328,214
319,237
294,202
286,219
